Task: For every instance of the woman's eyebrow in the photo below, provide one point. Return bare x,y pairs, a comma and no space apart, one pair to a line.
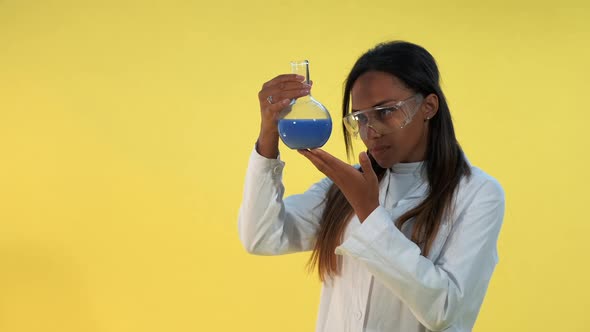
378,104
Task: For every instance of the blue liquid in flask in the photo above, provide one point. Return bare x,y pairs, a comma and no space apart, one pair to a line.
305,133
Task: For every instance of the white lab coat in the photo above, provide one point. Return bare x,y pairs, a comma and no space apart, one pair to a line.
385,284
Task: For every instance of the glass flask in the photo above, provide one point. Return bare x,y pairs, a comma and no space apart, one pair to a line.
305,123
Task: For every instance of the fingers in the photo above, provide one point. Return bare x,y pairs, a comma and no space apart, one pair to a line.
284,78
283,90
331,166
329,159
320,164
368,171
286,92
285,82
290,85
276,95
276,106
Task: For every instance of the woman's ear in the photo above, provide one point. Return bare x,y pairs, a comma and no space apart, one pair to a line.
430,106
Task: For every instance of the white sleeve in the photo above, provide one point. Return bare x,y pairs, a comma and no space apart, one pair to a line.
455,286
269,225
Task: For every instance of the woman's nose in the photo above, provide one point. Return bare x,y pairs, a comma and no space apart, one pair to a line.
372,132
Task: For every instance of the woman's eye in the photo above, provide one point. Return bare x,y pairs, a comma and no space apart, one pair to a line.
387,112
361,118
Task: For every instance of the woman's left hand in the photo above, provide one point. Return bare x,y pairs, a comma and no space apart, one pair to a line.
360,189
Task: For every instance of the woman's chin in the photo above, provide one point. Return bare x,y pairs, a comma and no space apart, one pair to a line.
384,161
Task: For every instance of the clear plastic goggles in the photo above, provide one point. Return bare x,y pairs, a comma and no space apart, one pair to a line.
383,119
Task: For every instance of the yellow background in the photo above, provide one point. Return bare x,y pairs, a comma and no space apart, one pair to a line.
125,129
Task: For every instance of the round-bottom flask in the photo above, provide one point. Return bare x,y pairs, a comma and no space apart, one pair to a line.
305,123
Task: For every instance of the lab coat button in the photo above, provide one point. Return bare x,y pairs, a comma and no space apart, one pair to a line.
358,315
277,170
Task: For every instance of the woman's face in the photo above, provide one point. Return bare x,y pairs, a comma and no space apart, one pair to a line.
400,145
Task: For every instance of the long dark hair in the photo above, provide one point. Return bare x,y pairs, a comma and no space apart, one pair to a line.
445,162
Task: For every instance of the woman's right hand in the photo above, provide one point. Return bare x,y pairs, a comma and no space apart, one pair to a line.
274,96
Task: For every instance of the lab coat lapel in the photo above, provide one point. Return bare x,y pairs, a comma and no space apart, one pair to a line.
412,199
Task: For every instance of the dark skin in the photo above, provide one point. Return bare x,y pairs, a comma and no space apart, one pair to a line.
282,88
370,89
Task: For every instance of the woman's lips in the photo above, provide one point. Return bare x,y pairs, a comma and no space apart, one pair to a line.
379,149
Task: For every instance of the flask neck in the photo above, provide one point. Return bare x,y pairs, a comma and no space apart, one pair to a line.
301,68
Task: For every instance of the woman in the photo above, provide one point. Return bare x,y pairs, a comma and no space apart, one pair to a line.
406,242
